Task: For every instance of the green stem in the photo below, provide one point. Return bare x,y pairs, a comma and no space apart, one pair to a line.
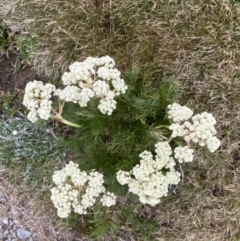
164,126
59,118
61,108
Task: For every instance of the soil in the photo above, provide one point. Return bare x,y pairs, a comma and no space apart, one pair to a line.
14,75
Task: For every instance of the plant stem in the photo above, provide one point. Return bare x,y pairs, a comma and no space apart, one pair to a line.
59,118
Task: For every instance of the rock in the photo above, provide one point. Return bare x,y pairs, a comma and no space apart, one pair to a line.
23,233
3,198
10,222
5,221
14,227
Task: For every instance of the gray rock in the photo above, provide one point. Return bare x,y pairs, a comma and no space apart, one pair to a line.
14,227
10,222
23,233
3,198
5,221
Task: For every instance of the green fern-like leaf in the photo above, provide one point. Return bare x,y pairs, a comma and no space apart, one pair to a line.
109,143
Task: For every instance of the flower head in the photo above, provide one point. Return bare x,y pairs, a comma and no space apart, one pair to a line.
94,77
37,99
147,179
77,190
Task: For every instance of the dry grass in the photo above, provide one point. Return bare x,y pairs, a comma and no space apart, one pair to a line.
199,42
130,31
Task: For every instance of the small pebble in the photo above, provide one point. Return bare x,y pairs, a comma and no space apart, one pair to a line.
3,198
14,133
23,233
5,221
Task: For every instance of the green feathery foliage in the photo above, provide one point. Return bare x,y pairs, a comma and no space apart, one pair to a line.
109,143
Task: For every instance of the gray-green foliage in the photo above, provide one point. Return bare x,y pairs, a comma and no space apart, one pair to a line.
30,150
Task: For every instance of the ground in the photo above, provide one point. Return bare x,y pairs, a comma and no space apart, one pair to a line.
18,208
197,41
14,76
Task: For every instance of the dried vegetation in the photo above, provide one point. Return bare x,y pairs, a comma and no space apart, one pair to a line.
196,40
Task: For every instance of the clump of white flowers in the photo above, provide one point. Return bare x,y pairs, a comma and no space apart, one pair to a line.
179,113
151,178
37,99
183,154
213,143
94,77
108,199
198,128
78,190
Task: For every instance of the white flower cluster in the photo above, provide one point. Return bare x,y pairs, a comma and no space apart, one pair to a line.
94,77
37,99
78,190
108,199
147,180
179,113
183,154
199,129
